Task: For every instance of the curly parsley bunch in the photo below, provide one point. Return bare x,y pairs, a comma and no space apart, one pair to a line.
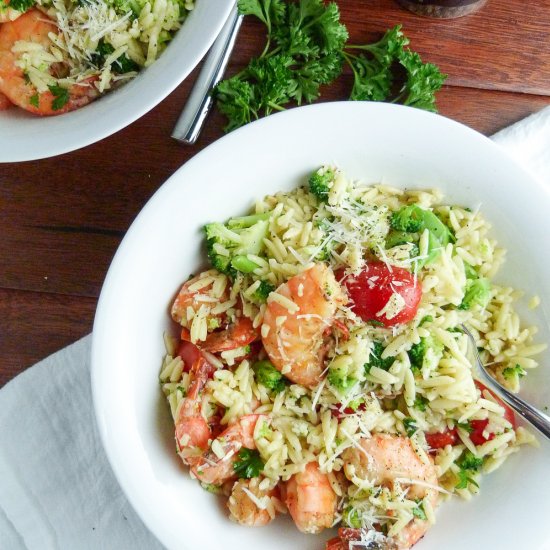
305,49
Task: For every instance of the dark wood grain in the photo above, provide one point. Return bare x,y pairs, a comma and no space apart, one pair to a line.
62,219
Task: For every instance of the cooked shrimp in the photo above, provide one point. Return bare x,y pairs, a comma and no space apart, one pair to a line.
201,294
5,103
216,465
238,334
192,429
251,506
386,459
294,327
311,500
34,27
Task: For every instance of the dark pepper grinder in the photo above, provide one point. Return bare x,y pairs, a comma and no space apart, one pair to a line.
445,9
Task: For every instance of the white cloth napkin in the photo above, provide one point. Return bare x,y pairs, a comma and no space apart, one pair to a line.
57,490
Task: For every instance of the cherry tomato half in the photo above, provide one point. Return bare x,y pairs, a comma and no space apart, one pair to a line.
438,440
371,290
479,426
189,354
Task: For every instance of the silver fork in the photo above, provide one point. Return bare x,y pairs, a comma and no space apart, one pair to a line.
531,414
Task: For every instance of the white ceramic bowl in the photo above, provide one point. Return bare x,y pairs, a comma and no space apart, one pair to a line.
27,137
374,142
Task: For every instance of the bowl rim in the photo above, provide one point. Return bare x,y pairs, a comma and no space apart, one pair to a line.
249,129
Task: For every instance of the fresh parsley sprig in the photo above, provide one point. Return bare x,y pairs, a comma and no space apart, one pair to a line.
305,49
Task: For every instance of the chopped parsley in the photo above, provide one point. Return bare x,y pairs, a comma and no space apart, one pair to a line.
469,464
60,96
418,511
34,100
248,464
425,319
464,480
375,359
410,426
123,64
420,403
21,5
466,426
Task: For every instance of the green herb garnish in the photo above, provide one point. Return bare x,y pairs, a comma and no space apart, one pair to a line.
305,49
410,426
509,372
249,463
60,96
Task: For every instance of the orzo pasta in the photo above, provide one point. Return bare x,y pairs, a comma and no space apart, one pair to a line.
320,368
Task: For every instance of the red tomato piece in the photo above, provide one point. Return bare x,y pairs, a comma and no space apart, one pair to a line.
438,440
479,426
508,412
337,413
371,290
476,435
189,354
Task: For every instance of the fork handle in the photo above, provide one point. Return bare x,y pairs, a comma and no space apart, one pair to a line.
534,416
193,116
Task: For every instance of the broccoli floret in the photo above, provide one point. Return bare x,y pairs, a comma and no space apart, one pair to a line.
397,238
269,376
340,378
428,350
413,219
470,271
478,291
243,222
319,184
407,219
228,245
262,292
469,461
352,517
375,359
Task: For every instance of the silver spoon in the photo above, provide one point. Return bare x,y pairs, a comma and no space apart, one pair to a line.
536,418
200,101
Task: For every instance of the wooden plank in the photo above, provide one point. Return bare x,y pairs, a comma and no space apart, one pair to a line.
34,325
500,47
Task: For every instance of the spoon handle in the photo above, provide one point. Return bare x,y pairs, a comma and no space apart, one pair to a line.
200,101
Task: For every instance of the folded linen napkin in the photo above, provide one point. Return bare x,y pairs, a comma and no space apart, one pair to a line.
57,490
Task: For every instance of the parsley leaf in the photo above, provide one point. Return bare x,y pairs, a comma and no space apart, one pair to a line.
60,96
21,5
248,464
410,426
468,463
375,359
418,511
466,426
420,403
34,100
305,49
464,480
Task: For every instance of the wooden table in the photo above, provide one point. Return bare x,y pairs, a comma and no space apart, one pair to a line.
61,219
